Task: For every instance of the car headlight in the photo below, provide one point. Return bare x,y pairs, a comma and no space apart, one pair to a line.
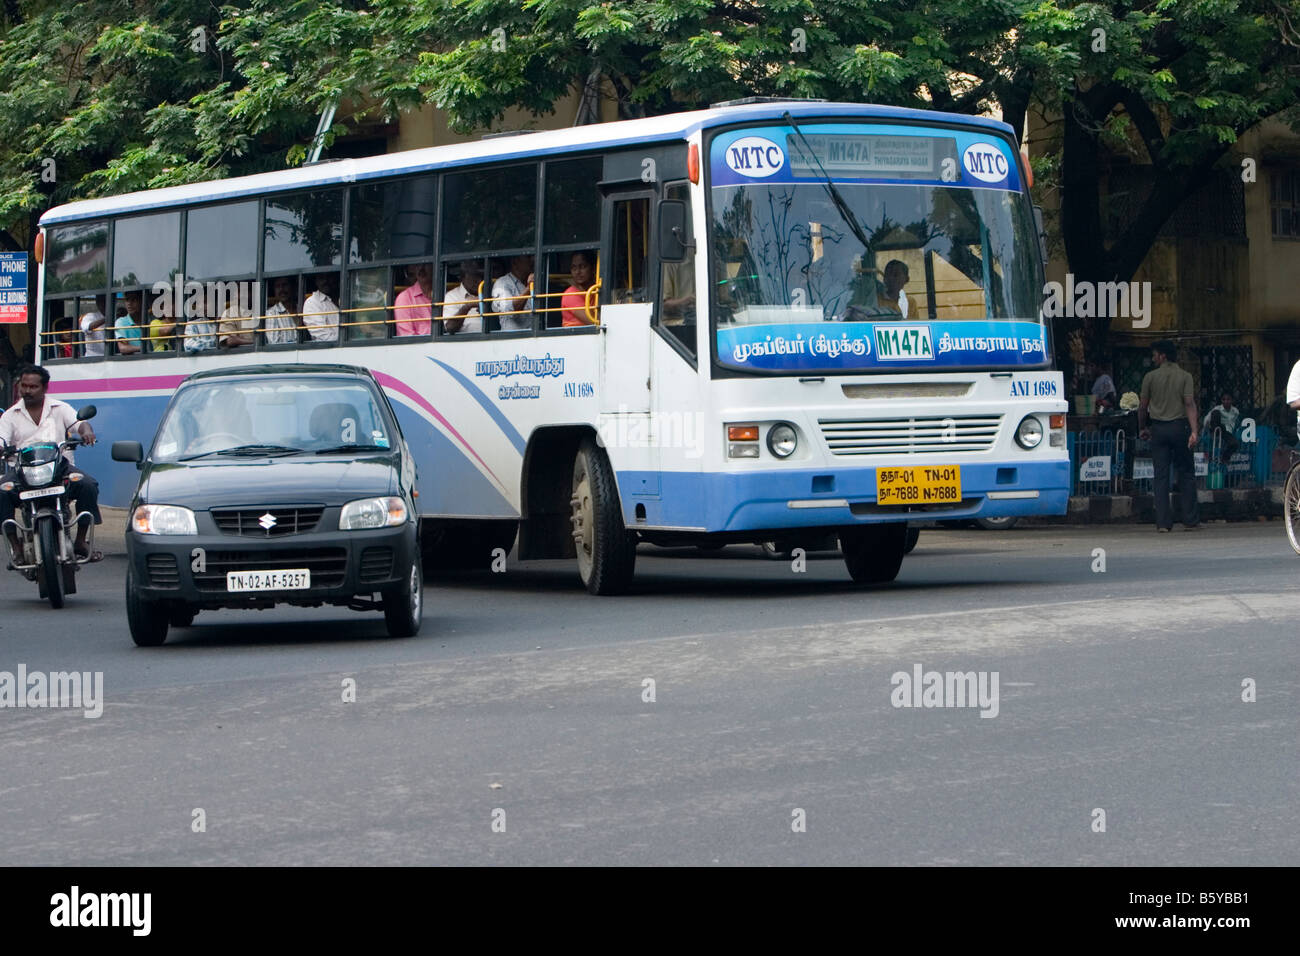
163,519
782,440
372,513
1030,433
36,475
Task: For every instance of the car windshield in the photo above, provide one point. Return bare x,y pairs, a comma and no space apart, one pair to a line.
265,415
859,247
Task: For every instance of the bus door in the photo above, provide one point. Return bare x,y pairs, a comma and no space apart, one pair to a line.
626,296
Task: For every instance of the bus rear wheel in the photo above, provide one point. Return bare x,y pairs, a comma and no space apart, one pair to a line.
874,554
606,550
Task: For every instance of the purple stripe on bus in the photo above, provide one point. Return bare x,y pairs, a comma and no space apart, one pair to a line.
145,383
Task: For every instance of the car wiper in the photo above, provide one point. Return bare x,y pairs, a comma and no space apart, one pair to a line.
339,449
841,206
261,450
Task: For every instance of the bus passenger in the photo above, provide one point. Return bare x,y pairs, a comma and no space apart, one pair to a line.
200,334
464,299
127,333
237,325
65,339
510,294
414,306
162,327
582,270
280,325
92,329
890,294
319,312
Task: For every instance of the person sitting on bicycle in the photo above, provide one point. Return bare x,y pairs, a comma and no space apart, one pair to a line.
33,419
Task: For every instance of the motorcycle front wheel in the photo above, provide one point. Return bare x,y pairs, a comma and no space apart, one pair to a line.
48,536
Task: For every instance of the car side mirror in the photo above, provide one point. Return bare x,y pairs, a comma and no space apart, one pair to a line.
128,451
87,412
674,231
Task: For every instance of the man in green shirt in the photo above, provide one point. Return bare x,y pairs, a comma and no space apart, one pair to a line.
1167,417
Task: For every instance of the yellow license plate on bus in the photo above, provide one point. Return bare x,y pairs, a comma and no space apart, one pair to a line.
919,485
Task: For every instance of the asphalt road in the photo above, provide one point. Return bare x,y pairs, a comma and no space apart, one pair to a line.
522,703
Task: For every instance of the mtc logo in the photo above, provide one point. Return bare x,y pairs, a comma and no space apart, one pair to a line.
755,157
986,163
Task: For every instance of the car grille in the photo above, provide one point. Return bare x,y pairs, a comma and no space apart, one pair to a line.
248,521
163,572
328,566
376,564
909,436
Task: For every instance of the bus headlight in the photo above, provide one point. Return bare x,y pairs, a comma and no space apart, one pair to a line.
163,519
1030,433
372,513
782,440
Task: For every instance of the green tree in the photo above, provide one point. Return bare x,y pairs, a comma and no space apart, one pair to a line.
115,94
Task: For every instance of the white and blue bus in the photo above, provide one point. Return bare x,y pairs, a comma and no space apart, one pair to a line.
766,320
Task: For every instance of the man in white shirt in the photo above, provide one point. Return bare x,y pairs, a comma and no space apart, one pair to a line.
280,324
1293,391
33,419
200,334
510,294
92,329
462,300
319,313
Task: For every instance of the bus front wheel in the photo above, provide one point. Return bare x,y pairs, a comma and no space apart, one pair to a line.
606,551
874,554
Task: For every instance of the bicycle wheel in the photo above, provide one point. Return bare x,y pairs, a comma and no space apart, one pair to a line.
1291,507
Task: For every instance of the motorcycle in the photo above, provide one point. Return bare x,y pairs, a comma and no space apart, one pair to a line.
44,522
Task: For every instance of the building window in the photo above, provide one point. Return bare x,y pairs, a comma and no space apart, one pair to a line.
1284,204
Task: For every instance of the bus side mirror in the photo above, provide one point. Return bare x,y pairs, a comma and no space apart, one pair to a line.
1042,235
674,231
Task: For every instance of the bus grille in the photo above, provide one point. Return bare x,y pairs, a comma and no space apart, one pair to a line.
910,436
328,566
249,521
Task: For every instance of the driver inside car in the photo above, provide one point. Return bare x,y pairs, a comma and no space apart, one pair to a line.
36,418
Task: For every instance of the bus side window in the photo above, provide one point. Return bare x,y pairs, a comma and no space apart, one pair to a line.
626,278
369,316
677,280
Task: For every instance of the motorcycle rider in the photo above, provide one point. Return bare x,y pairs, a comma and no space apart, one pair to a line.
36,418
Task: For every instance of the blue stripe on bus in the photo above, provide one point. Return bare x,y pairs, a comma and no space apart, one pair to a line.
498,416
759,500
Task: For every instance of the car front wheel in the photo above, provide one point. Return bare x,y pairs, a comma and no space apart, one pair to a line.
404,604
147,620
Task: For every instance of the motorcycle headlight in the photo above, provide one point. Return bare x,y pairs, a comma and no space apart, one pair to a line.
36,475
372,513
163,519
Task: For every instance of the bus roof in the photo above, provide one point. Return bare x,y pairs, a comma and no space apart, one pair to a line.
674,126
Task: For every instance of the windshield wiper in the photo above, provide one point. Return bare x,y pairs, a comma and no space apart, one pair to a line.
339,449
841,206
256,449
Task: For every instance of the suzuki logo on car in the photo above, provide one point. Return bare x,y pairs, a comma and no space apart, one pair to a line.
267,521
755,156
985,162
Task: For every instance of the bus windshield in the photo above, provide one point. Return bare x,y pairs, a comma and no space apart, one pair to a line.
895,234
